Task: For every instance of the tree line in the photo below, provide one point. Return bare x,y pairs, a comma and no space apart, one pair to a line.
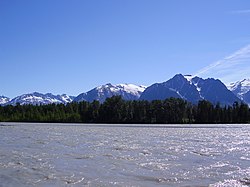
117,110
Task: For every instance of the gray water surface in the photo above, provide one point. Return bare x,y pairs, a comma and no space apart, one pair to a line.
113,155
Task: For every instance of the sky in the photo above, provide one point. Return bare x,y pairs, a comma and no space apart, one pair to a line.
72,46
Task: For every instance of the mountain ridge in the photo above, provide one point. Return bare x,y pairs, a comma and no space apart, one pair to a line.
101,93
192,89
37,98
241,89
187,87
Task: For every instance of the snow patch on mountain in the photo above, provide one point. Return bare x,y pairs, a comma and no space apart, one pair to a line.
129,88
66,98
189,78
101,93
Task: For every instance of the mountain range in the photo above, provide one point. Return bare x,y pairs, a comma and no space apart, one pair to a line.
38,99
186,87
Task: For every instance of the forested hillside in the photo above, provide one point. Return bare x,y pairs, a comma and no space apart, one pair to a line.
117,110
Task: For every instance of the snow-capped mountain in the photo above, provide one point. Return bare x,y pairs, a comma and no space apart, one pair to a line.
40,99
191,89
241,89
186,87
4,100
101,93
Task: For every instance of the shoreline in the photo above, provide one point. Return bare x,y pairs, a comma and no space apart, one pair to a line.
128,125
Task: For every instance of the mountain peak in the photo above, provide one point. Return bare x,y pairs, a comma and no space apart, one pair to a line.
241,89
179,75
243,84
37,98
108,84
4,99
183,77
191,89
100,93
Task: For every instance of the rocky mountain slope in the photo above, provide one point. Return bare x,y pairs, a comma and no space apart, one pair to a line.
191,89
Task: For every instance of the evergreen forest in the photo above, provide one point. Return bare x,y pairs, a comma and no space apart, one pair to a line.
116,110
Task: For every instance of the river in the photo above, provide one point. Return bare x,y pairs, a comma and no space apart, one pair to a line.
124,155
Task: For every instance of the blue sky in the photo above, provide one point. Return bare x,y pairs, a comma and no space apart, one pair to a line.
71,46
